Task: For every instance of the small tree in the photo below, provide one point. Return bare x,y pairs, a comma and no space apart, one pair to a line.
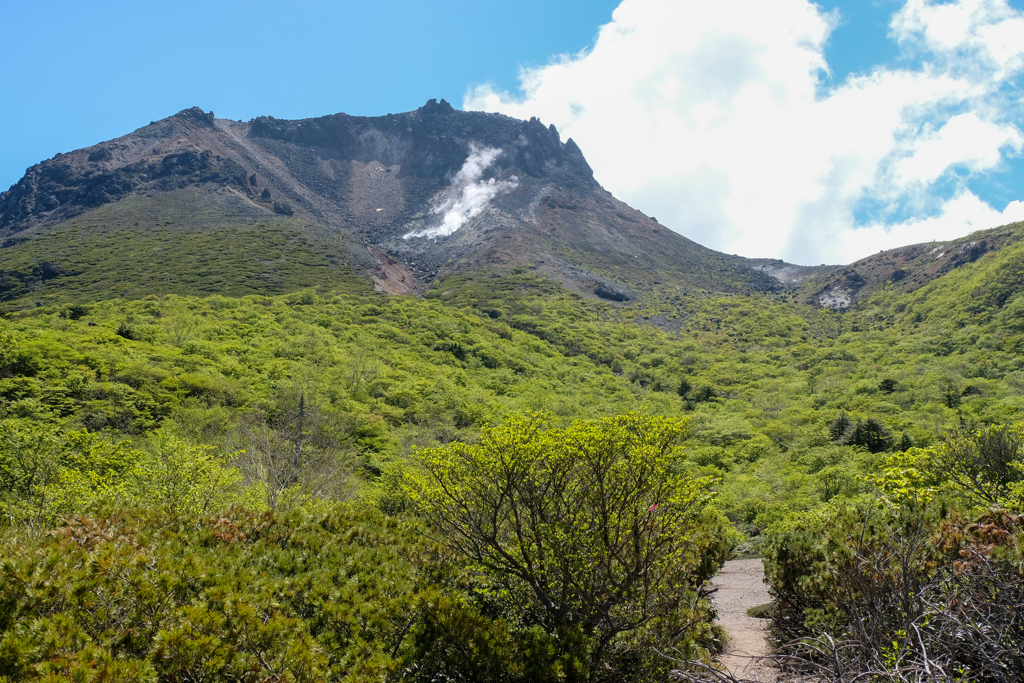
179,476
705,393
29,464
126,330
869,433
589,531
839,426
951,392
981,465
299,450
8,348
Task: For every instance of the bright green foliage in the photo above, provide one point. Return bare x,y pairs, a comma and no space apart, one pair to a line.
975,469
178,476
8,350
911,478
923,571
970,472
595,528
348,596
46,476
186,405
764,378
815,563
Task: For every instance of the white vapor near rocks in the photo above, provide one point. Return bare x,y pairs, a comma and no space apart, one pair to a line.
468,195
724,121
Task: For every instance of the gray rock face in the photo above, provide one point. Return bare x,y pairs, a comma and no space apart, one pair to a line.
431,142
69,184
610,293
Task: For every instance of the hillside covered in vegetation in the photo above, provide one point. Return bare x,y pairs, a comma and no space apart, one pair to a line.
413,398
188,478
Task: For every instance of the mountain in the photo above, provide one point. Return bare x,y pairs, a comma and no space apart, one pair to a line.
193,204
271,205
904,270
147,408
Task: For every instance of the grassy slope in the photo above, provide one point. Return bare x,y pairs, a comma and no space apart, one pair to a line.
185,242
761,377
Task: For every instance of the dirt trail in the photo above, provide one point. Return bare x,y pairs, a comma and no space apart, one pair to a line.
741,586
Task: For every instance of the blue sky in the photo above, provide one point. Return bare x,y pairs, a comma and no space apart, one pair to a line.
785,134
860,43
75,73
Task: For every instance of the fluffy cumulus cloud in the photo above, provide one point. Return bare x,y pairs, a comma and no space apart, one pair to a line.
468,195
719,119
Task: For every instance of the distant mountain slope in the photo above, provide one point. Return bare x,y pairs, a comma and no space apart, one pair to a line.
906,269
968,304
404,198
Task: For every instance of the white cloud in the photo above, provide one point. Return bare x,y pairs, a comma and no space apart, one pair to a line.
468,195
714,118
960,216
964,32
964,139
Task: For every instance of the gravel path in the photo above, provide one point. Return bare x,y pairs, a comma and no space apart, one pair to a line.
741,586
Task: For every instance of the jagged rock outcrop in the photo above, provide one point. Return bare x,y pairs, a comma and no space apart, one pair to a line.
431,142
69,184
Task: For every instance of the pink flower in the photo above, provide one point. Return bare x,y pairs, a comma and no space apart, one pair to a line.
653,508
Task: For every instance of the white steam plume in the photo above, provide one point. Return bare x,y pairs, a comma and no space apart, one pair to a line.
468,195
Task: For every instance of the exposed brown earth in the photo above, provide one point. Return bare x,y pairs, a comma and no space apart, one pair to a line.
741,586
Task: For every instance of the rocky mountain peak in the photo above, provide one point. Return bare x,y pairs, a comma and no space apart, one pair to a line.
196,116
434,141
405,197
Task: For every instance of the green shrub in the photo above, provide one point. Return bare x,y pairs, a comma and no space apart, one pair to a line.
593,532
350,595
923,572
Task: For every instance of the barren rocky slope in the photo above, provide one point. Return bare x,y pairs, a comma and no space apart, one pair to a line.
905,269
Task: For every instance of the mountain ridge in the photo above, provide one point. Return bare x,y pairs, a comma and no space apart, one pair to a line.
373,183
404,199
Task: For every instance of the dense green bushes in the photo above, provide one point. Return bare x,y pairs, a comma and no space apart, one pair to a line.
149,586
46,476
351,595
184,598
184,406
763,380
924,573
